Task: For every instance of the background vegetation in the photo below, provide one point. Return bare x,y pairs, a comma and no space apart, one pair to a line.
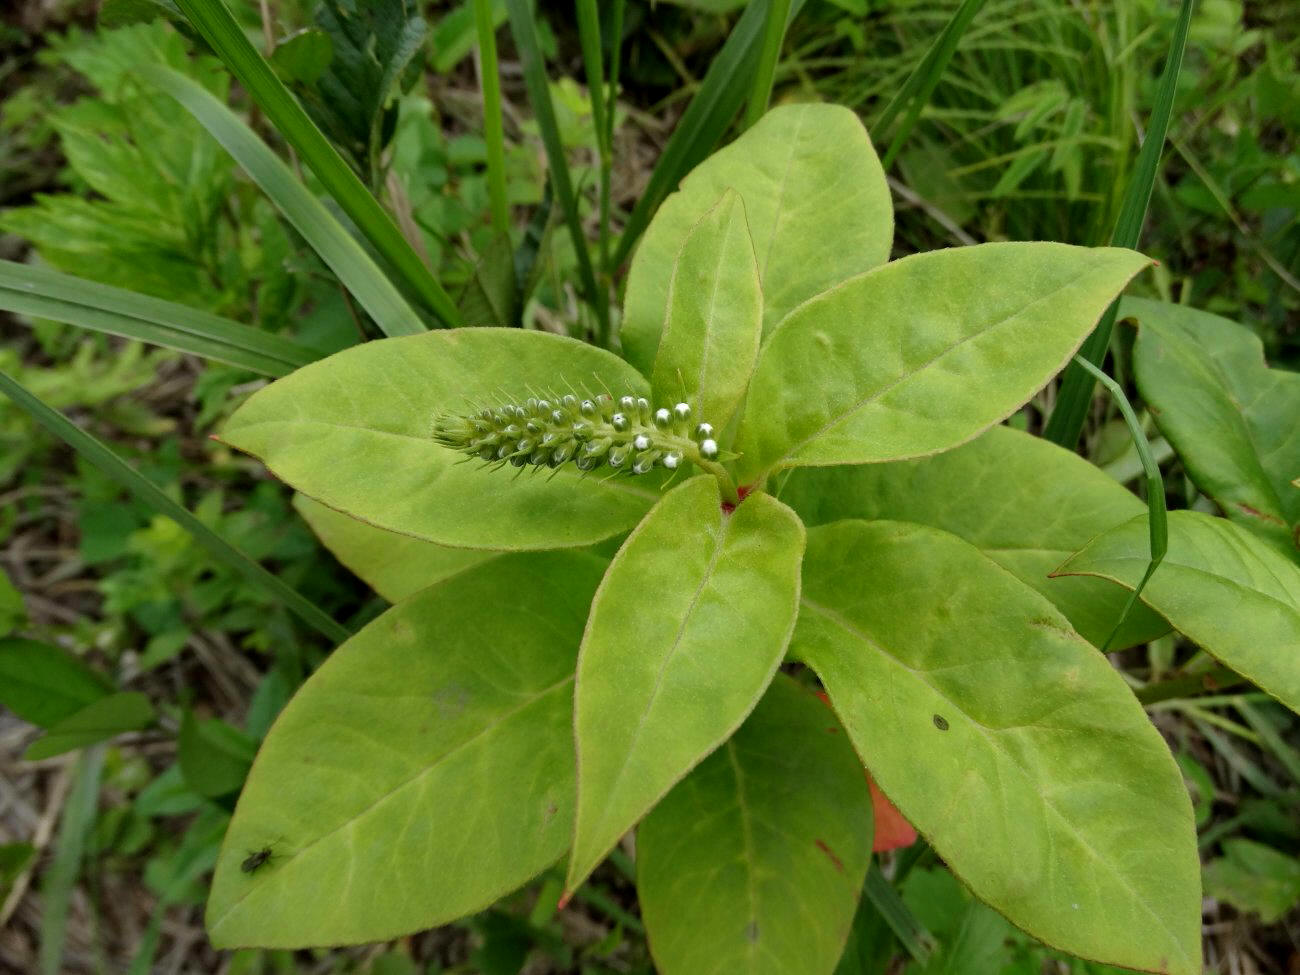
1030,132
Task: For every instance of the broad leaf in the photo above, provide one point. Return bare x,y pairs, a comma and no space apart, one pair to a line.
1221,585
214,757
1231,418
818,208
1254,878
101,719
354,431
1007,740
425,770
44,684
1024,502
395,566
686,630
715,316
922,354
754,862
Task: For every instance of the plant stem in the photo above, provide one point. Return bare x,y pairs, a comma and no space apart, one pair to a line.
493,130
778,15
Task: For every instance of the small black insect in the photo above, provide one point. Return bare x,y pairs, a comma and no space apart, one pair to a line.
255,860
941,722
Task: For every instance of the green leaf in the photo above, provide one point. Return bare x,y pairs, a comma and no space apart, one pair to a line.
922,354
686,630
99,720
354,431
1231,418
227,39
42,293
13,613
327,237
304,55
395,566
817,205
754,862
214,757
1254,878
1022,501
715,316
45,684
373,44
1007,740
457,706
1222,586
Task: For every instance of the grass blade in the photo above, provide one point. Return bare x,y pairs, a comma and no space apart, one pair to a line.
493,130
911,933
214,22
1077,385
336,247
920,84
75,825
42,293
706,119
145,491
778,17
1157,516
524,29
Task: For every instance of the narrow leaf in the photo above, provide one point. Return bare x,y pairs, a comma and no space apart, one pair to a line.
1024,502
1075,395
219,29
145,490
336,247
101,719
922,354
43,293
715,316
60,879
1008,741
524,30
458,706
754,862
686,631
816,203
1223,587
44,684
355,432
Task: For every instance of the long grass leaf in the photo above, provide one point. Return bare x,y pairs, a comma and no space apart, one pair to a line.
920,84
336,247
1157,516
145,491
43,293
1075,396
493,129
707,118
219,29
907,927
778,17
75,825
524,30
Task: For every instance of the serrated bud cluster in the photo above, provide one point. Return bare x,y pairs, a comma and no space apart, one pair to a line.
626,434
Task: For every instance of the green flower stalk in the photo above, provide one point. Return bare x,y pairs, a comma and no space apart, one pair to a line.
627,435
